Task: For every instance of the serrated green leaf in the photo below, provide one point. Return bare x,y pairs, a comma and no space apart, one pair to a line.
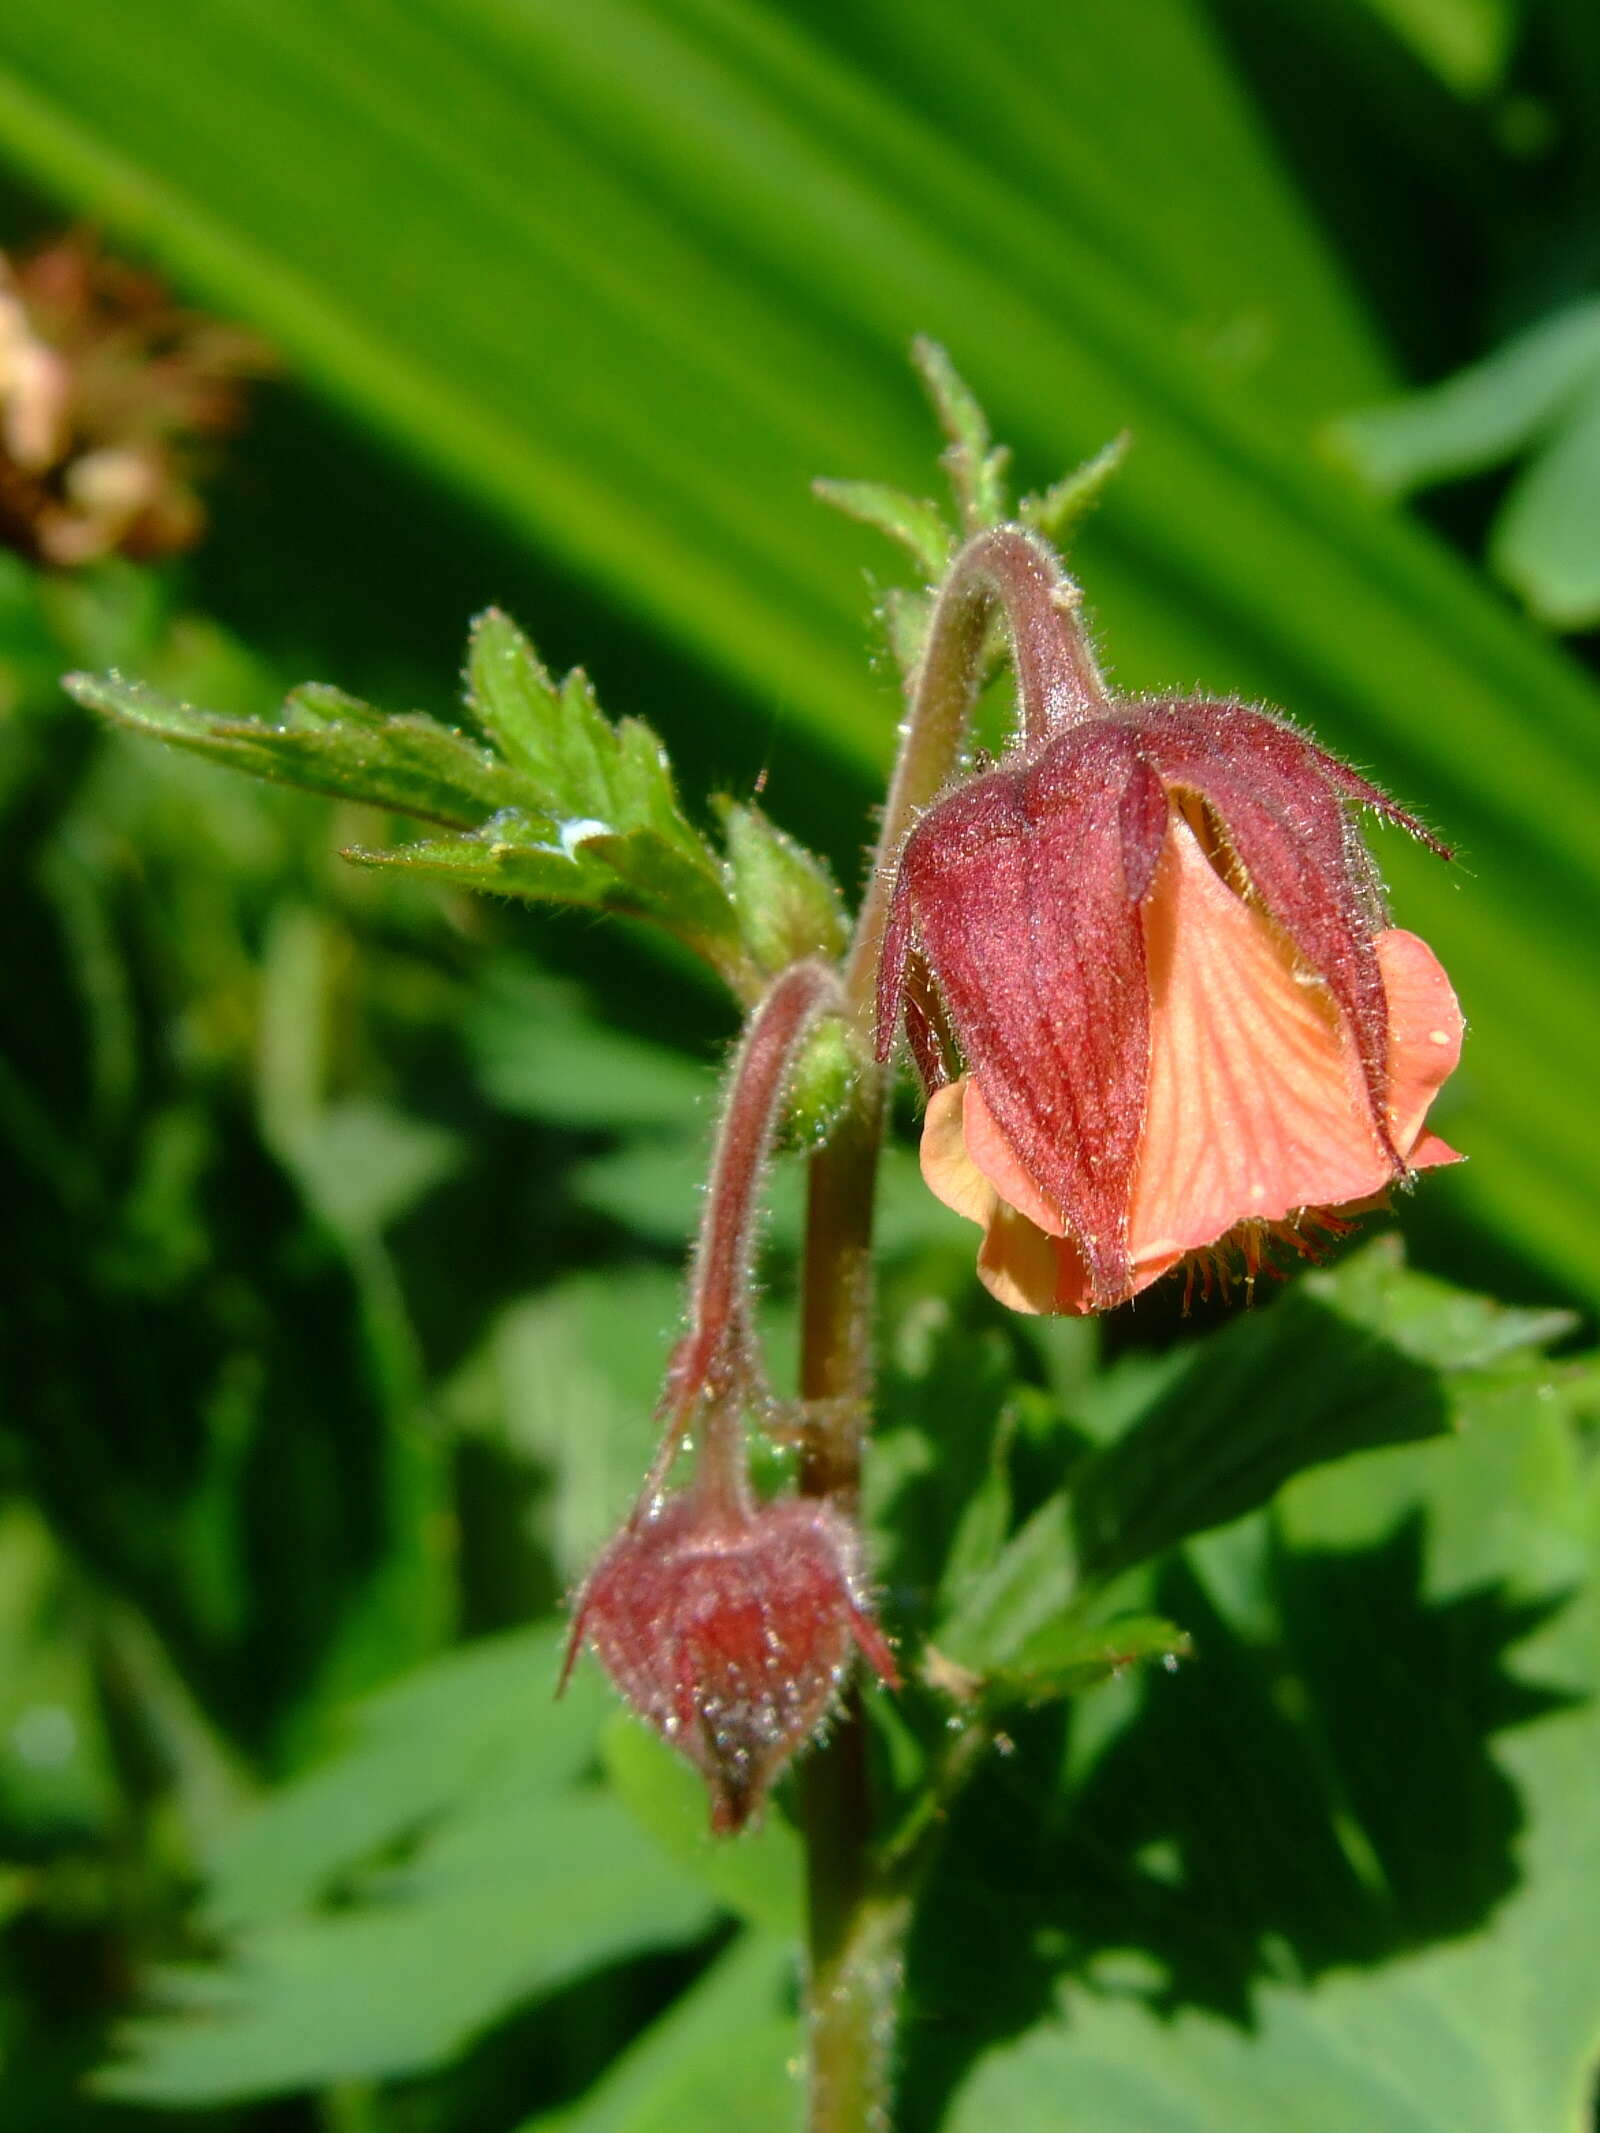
1064,506
977,466
666,872
631,874
343,1957
408,763
1368,1354
588,816
556,735
787,903
1063,1657
1487,2026
917,526
1034,1582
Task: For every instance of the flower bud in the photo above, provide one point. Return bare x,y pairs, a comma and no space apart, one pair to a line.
730,1627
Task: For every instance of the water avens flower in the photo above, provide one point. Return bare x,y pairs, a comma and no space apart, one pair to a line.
1159,952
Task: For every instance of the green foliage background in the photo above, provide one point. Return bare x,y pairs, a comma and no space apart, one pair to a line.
342,1215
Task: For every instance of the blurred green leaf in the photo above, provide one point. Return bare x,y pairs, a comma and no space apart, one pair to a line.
758,1875
541,1053
723,2055
1482,415
1063,1658
1465,42
829,188
487,1916
57,1774
1539,394
569,1380
365,1163
473,1720
344,1959
1545,543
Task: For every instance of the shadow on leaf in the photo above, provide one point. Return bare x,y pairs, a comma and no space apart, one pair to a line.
1327,1797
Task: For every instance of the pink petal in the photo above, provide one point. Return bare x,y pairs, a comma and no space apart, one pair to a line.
1425,1031
1257,1100
1021,1264
989,1150
947,1169
1027,1271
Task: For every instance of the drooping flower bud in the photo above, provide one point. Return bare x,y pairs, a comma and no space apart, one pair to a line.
730,1628
730,1624
1162,952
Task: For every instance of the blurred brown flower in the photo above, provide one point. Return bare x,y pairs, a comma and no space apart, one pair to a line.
109,391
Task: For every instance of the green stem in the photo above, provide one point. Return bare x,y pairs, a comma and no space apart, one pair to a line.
857,1913
851,1986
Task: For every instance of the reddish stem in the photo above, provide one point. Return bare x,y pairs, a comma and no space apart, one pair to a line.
1011,570
714,1365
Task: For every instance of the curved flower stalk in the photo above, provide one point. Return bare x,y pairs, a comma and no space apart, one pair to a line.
729,1624
1157,952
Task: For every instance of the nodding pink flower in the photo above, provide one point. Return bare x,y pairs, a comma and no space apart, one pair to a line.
730,1627
1162,954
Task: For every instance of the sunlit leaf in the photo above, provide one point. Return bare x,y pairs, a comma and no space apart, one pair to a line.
1492,2028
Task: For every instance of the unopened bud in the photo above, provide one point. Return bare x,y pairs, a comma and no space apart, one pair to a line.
730,1629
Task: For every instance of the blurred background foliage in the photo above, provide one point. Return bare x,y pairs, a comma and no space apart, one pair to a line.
342,1217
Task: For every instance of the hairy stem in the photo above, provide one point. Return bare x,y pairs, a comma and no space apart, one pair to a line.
857,1919
851,1983
713,1366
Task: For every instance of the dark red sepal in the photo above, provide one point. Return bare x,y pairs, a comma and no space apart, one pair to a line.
1022,891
